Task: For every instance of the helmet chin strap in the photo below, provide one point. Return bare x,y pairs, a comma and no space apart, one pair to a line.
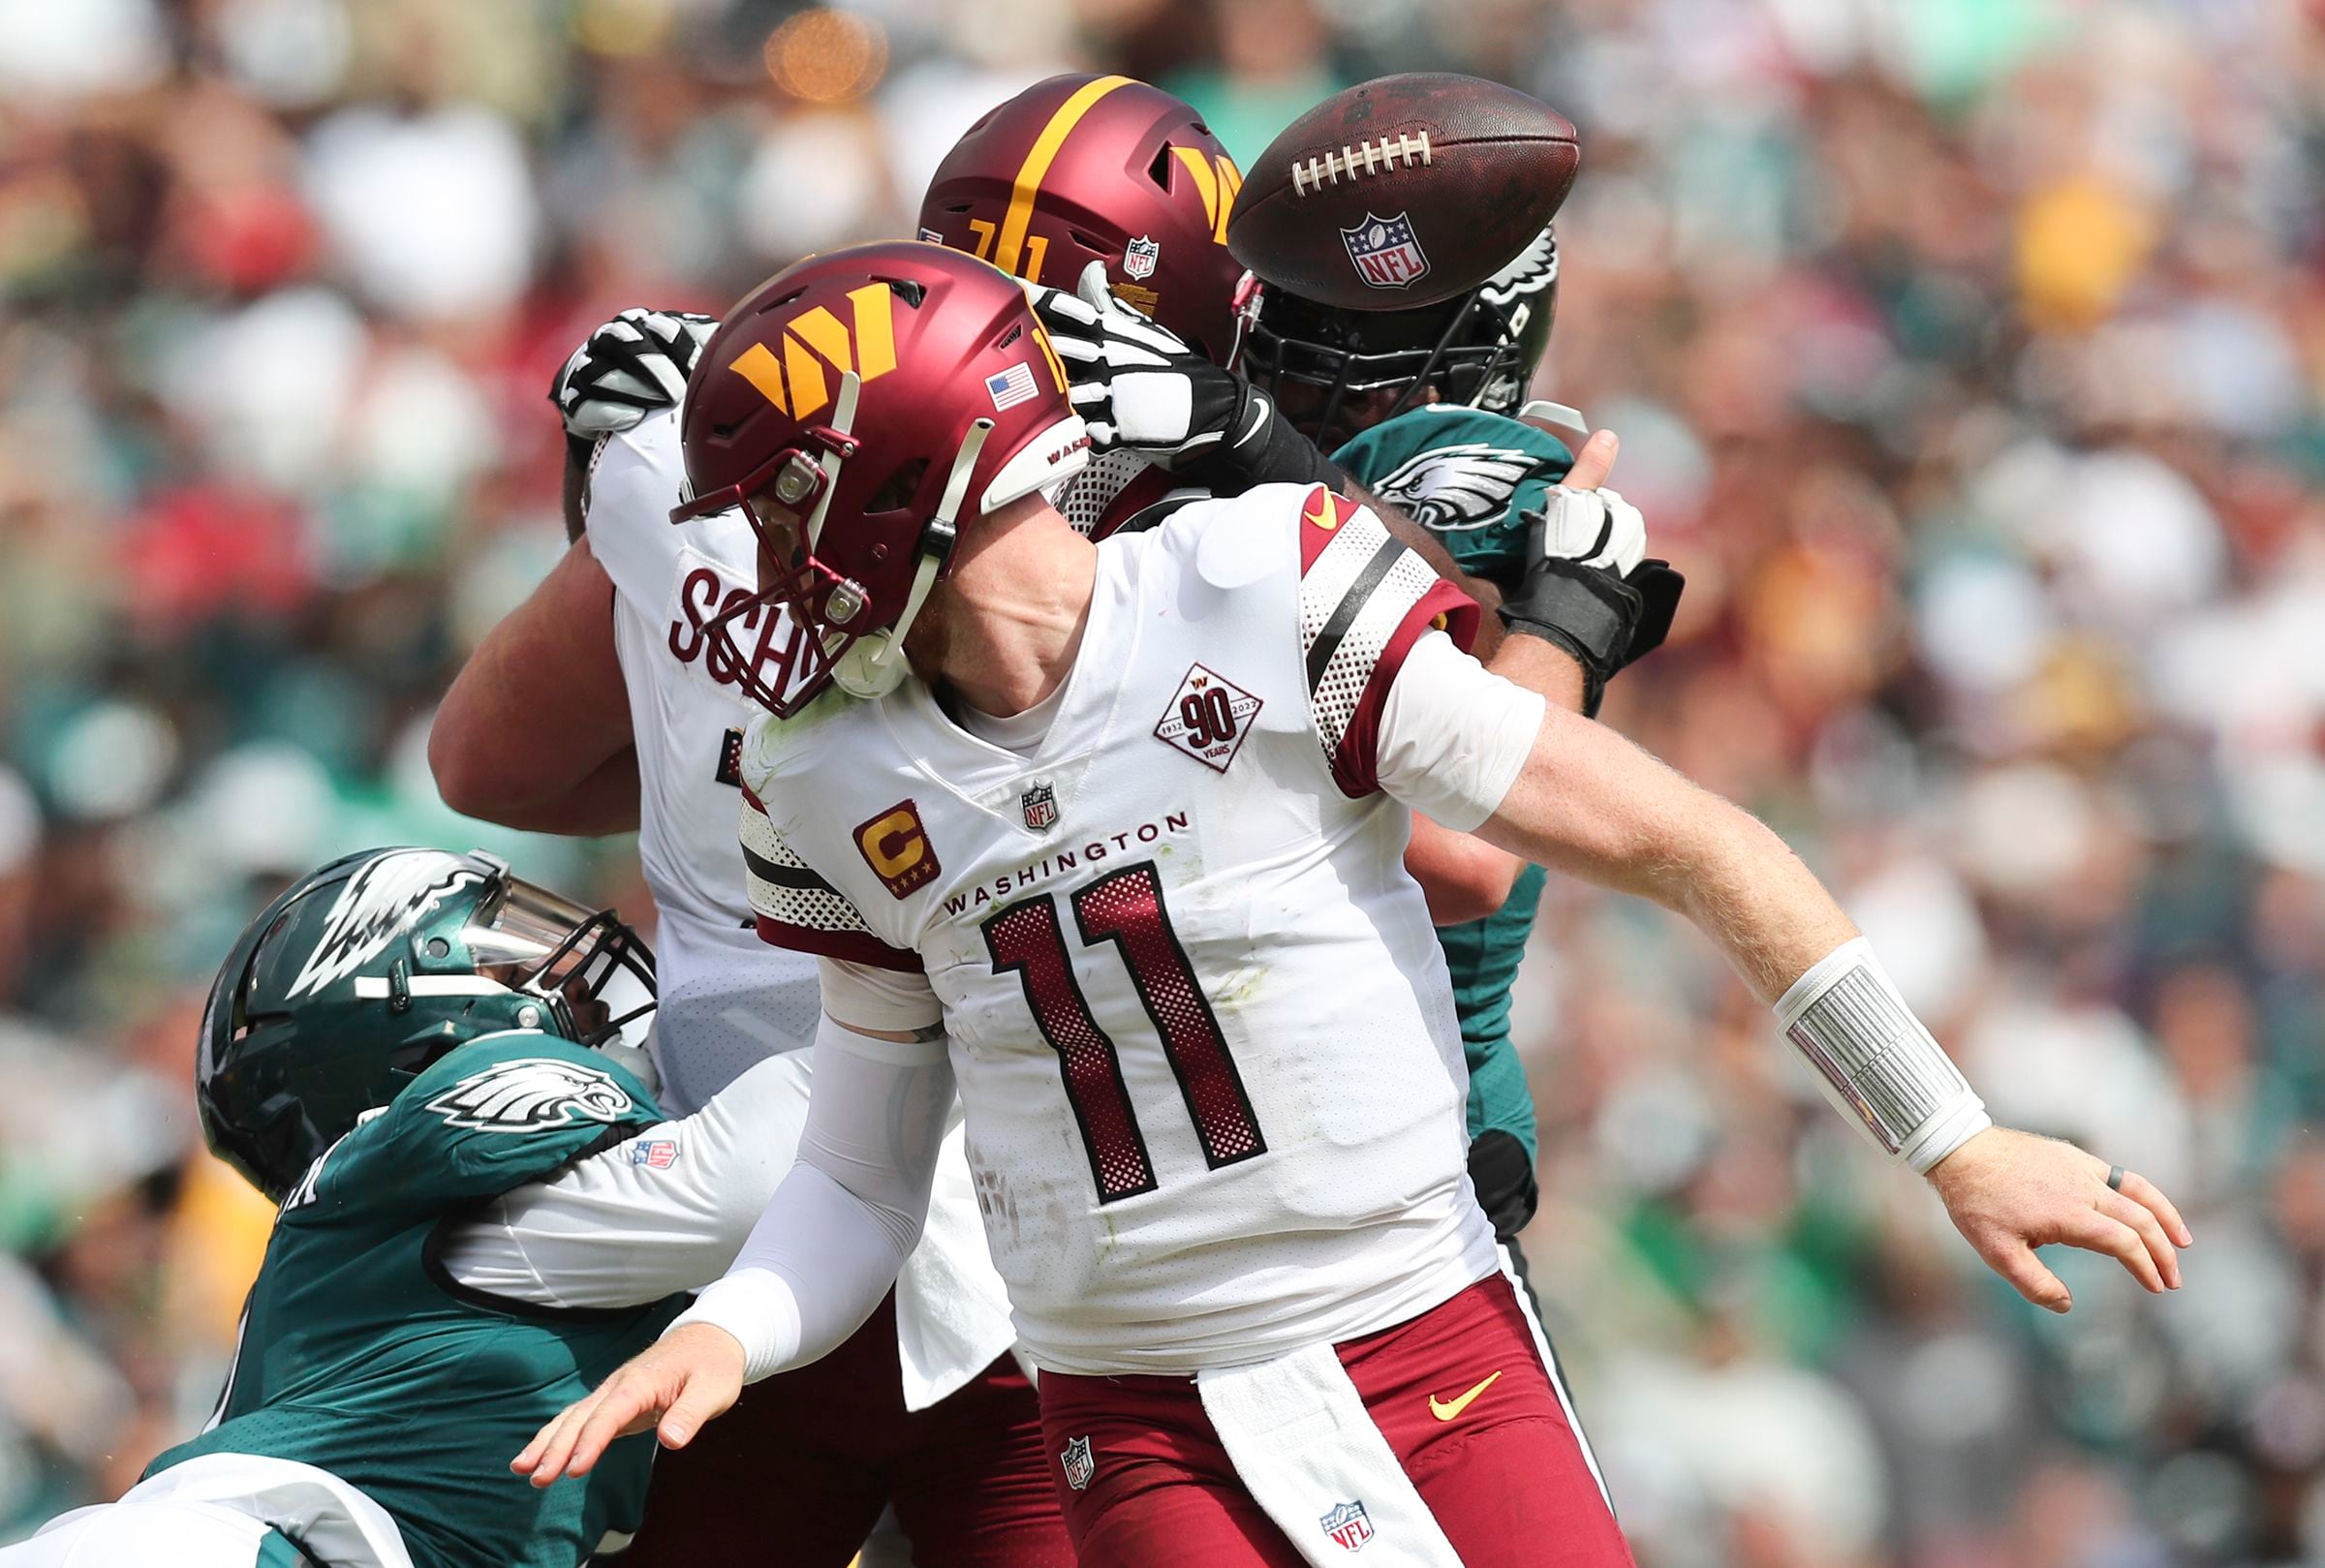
843,422
874,665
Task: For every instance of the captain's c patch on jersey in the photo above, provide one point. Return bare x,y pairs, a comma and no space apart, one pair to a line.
1208,716
530,1092
895,845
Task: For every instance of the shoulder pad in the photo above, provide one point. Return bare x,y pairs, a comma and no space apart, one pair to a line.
1463,474
524,1081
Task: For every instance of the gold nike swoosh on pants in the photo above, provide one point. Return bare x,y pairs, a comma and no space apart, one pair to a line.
1448,1410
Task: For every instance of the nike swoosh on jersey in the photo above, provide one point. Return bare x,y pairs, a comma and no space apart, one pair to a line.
1448,1410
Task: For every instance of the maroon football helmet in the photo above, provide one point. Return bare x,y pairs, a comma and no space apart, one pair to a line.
1086,169
861,408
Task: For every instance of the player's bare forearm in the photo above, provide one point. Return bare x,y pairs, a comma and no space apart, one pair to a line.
606,802
1591,803
535,731
1462,878
1540,665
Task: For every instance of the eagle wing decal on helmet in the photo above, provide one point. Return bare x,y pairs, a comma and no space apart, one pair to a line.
377,904
532,1093
1529,271
1459,487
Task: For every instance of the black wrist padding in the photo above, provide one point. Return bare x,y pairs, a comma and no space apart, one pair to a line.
1587,610
1275,454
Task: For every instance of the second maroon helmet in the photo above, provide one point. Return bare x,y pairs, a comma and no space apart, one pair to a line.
864,407
1086,169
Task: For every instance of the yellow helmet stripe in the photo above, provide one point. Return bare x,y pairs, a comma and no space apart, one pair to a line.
1044,151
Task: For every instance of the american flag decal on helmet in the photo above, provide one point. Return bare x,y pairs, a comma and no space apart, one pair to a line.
1364,601
1011,387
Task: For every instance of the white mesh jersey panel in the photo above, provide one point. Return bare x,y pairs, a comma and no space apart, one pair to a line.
816,904
1093,490
1384,580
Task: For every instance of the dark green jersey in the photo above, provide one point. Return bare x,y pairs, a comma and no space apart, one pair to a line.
1466,476
361,1356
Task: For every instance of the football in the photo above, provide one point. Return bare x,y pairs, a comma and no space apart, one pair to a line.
1403,191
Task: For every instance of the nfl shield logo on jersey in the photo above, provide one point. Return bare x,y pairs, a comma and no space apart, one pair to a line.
1039,803
1140,257
1385,252
1079,1465
1349,1526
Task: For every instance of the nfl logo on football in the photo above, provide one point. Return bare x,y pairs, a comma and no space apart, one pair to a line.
1385,251
1039,803
1349,1526
1138,259
1079,1465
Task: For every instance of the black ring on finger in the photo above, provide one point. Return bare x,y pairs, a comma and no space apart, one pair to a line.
2115,1179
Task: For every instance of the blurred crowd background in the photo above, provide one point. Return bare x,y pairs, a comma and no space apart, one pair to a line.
1968,356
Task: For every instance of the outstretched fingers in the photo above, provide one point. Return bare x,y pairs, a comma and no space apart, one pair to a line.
574,1442
2145,1224
2094,1232
544,1457
2151,1197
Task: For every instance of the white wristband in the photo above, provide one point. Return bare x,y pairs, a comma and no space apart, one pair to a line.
1876,1062
757,1306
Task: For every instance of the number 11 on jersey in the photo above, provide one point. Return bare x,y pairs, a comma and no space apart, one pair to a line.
1126,908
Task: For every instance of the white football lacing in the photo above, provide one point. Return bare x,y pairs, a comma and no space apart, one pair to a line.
1364,158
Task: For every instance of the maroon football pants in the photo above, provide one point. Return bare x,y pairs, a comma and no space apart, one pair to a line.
796,1473
1463,1394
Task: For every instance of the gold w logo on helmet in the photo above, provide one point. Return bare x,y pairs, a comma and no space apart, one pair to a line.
1216,179
814,339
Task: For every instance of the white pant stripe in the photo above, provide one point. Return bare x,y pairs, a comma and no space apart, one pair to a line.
1558,1382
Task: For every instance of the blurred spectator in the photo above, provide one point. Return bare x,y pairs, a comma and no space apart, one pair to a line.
1969,357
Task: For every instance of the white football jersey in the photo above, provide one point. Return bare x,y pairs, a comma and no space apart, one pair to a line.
1202,1029
727,999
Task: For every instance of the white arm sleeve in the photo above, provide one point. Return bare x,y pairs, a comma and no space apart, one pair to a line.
1454,735
664,1211
841,1226
865,998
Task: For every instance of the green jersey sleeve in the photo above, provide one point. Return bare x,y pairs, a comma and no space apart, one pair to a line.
499,1112
1464,475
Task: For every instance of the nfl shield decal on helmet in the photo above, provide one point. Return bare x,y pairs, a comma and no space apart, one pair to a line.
1385,252
1140,257
1079,1465
1039,803
1349,1526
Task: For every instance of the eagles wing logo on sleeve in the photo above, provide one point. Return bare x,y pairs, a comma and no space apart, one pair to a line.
375,906
1455,488
531,1093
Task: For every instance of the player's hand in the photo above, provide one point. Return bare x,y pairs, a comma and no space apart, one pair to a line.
630,367
674,1385
1135,383
1585,587
2009,1192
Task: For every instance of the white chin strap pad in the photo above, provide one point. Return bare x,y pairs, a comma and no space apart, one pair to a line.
1057,453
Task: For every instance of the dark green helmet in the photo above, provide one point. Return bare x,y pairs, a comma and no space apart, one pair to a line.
367,970
1336,373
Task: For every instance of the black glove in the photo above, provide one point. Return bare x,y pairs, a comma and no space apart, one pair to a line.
1589,588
